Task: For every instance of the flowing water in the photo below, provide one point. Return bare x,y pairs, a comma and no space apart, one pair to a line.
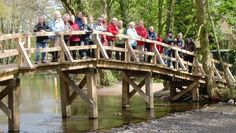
40,109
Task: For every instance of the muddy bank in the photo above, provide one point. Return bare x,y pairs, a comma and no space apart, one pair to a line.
213,119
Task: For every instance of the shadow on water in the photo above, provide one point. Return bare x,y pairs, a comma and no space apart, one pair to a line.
40,109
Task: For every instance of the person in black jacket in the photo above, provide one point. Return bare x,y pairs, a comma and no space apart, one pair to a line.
41,42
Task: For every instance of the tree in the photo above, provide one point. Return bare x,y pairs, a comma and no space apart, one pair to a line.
205,52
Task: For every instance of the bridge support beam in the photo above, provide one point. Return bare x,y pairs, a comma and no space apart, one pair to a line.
184,89
68,97
12,110
147,95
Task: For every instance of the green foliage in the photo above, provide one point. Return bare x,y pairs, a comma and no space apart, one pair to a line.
108,78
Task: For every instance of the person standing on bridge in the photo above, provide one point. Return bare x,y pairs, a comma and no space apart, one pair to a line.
41,42
57,26
120,42
190,46
142,31
74,39
133,34
112,28
170,41
152,35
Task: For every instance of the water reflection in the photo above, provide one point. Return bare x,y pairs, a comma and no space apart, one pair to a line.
40,109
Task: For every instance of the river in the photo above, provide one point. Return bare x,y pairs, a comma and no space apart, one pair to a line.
40,110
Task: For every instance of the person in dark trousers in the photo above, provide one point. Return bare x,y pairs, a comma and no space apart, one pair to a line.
170,41
74,39
41,42
152,35
189,46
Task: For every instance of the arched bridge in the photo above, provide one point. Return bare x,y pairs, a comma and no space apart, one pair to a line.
17,53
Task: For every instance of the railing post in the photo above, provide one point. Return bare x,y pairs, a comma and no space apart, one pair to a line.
19,57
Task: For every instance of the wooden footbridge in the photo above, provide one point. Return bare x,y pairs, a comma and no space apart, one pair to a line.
17,57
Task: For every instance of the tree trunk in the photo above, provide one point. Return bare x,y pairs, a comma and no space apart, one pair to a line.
206,55
124,11
160,12
170,15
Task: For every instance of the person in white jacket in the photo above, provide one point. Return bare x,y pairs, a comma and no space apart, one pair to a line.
57,25
133,34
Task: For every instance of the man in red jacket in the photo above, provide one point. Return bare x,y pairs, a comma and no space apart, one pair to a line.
112,28
142,31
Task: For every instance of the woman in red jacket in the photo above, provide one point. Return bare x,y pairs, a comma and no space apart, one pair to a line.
74,39
112,28
142,31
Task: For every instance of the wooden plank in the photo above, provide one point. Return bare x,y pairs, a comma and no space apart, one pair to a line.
92,93
65,94
51,49
131,51
180,60
13,105
144,52
230,74
149,91
135,86
4,92
82,47
75,88
65,49
8,53
24,54
189,88
158,55
125,92
216,71
113,48
140,85
102,49
6,110
195,94
81,86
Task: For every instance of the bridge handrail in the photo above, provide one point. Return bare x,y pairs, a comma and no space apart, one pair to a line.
26,51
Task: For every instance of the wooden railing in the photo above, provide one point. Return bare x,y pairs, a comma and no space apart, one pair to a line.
22,48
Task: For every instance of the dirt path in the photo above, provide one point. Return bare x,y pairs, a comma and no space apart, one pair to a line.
214,119
117,89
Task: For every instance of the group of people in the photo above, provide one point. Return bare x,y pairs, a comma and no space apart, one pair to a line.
81,22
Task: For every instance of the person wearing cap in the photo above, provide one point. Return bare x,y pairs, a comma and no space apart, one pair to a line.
142,31
112,28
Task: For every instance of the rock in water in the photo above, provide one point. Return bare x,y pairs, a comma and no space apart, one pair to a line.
231,101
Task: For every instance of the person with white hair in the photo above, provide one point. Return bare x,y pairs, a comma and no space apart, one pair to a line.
120,42
57,26
112,28
133,34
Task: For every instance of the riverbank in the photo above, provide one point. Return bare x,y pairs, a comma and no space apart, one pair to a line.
213,119
117,89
